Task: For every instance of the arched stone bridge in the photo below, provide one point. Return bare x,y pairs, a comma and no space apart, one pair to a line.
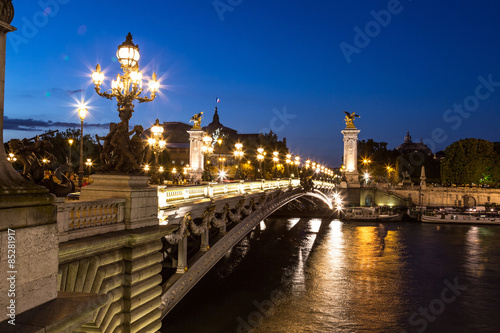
111,246
212,227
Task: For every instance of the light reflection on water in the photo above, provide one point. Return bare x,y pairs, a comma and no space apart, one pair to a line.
347,277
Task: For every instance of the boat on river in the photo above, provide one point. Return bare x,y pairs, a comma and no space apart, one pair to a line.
370,214
461,218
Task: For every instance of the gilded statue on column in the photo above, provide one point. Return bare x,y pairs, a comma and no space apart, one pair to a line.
196,119
349,119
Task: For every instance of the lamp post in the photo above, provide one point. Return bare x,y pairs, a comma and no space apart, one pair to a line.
260,158
219,141
89,163
126,88
288,161
238,153
11,158
275,160
207,150
297,162
70,141
82,112
157,145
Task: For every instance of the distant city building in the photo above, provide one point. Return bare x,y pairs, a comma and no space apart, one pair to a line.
409,146
177,138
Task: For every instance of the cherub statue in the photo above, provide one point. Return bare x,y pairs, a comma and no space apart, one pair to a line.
196,119
349,119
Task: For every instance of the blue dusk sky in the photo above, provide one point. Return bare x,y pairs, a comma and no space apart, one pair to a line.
429,67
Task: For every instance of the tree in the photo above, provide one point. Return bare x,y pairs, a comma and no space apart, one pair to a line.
470,161
60,147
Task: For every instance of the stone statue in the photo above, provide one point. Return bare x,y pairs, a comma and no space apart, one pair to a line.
196,119
349,119
126,161
107,158
138,145
30,155
6,11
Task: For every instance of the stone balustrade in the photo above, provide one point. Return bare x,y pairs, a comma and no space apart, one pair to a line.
79,219
167,196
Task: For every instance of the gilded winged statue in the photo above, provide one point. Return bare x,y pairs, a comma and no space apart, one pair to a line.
196,119
349,119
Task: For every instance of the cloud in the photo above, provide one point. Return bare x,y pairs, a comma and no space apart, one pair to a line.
38,125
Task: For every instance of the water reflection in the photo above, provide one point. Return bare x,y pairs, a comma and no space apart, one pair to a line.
347,277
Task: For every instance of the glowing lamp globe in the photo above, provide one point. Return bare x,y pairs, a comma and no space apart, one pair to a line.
128,53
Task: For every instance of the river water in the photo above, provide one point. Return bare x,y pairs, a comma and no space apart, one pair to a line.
312,275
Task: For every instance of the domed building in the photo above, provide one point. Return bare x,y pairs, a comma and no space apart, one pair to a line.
408,146
177,138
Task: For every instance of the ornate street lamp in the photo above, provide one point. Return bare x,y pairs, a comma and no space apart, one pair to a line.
207,150
275,160
11,158
297,162
157,145
82,113
219,141
260,158
89,163
126,88
288,161
70,141
238,153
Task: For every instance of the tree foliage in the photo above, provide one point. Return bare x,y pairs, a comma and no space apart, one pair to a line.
471,161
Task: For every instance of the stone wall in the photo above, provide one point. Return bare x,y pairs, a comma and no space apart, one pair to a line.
431,197
32,223
449,196
124,265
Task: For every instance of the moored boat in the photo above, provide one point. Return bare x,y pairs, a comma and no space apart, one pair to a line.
369,214
461,218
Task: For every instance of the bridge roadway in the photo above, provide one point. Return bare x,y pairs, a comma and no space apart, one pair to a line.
232,210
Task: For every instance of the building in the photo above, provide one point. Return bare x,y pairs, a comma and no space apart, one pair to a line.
177,138
408,146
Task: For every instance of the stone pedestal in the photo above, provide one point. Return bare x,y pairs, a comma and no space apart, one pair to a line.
141,207
196,159
29,241
29,248
423,183
351,156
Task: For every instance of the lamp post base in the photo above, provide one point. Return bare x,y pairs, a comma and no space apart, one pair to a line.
141,208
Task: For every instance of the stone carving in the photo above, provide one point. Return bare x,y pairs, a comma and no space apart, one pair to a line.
120,153
196,120
31,155
6,11
349,119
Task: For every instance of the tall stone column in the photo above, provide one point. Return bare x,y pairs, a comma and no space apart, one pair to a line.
351,155
29,243
195,153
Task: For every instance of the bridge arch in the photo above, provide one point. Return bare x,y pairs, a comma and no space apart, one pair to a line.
187,277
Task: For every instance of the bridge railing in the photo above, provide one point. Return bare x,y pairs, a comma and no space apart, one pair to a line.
170,195
78,219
